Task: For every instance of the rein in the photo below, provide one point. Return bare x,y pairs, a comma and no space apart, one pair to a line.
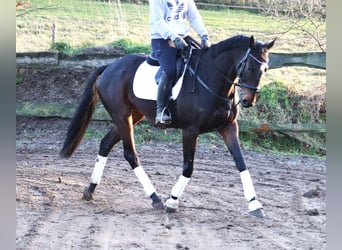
199,79
206,64
205,86
193,72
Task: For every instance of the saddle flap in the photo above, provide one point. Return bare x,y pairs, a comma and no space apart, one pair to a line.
144,83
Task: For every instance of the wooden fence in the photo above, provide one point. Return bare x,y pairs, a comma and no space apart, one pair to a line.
54,59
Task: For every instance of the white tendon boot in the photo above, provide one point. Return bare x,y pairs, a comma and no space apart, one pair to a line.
144,180
171,204
98,169
95,177
254,206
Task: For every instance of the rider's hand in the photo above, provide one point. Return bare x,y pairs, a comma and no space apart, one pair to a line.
205,41
180,43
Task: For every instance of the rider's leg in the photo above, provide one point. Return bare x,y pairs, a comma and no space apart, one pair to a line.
164,87
167,57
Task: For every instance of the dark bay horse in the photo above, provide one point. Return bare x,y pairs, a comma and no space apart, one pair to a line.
207,101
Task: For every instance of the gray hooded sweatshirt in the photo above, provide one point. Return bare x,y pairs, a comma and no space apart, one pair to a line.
169,18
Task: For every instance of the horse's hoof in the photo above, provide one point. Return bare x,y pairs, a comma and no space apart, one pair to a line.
255,209
87,195
170,209
259,213
158,205
171,205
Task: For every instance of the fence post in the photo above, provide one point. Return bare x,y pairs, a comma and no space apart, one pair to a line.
54,32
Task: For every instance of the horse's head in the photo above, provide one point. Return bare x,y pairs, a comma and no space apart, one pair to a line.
251,69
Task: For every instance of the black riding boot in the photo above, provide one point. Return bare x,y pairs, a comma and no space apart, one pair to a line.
164,87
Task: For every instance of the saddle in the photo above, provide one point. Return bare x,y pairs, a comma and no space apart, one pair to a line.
148,73
182,58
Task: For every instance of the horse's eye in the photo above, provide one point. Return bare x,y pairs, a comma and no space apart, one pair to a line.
251,69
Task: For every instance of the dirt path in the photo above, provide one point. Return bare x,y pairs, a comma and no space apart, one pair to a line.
213,211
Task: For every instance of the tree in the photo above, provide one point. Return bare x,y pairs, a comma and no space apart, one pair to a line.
306,15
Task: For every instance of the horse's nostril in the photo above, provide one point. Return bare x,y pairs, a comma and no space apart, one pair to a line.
245,102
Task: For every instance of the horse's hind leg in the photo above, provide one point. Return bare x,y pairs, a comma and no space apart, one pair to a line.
230,137
106,145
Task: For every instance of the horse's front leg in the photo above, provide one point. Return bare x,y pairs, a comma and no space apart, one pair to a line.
230,134
130,154
189,146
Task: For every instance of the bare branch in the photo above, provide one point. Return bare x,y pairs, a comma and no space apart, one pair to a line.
295,11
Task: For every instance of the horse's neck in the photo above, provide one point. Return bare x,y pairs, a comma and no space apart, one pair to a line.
215,74
233,58
222,66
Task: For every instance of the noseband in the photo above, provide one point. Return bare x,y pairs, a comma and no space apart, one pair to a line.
241,68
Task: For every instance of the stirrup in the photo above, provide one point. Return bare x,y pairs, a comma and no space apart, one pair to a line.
166,120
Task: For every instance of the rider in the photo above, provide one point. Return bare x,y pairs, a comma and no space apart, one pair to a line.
168,23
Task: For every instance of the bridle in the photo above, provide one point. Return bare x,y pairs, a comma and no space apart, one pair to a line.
241,68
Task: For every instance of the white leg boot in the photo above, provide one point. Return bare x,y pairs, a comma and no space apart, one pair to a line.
254,206
171,205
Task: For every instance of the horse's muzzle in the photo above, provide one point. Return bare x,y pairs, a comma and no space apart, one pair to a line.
246,103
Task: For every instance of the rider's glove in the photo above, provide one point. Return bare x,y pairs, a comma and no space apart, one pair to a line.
180,43
205,41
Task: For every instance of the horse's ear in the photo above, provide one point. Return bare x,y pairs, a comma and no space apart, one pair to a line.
252,42
270,44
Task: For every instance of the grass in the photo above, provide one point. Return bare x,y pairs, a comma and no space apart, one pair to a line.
100,23
19,78
131,47
277,143
282,144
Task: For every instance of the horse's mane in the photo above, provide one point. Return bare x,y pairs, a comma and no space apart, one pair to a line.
238,41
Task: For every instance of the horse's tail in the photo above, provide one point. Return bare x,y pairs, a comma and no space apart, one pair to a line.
82,116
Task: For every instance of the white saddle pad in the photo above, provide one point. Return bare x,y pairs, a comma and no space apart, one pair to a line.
144,84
